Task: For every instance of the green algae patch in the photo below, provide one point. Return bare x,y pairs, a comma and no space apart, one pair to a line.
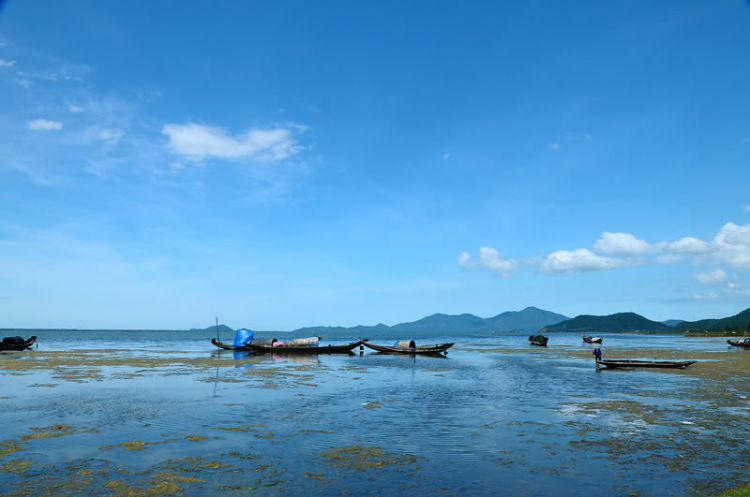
196,438
16,466
240,428
173,477
363,458
53,431
122,488
743,491
314,476
9,447
44,385
133,445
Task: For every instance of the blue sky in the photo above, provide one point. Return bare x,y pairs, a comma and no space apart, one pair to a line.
284,164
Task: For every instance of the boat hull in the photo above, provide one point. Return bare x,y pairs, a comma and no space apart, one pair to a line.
264,349
18,345
627,363
739,343
440,348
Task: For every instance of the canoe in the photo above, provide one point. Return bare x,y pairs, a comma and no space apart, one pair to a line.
592,339
628,363
269,348
410,347
17,343
739,343
540,340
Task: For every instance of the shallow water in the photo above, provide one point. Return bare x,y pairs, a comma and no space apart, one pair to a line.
165,412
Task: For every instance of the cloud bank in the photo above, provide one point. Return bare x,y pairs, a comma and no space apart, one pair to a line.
729,247
199,142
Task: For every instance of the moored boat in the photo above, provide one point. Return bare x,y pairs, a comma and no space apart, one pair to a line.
272,346
17,343
410,347
592,339
540,340
630,363
745,342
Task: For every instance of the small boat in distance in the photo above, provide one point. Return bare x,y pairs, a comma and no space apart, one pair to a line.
745,342
271,345
592,339
410,347
17,343
540,340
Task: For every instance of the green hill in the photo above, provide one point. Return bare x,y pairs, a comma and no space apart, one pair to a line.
529,319
614,323
738,322
212,329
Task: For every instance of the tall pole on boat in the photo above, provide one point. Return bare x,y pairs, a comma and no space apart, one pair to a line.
217,329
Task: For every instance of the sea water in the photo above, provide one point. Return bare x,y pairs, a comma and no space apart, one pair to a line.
166,412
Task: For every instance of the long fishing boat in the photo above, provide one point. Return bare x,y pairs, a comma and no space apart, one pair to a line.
745,342
629,363
592,339
17,343
410,347
540,340
270,346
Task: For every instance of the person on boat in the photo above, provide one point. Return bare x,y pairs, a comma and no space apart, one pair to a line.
597,353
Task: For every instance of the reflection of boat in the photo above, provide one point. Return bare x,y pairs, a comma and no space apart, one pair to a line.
629,363
410,347
297,358
745,342
265,346
592,339
540,340
17,343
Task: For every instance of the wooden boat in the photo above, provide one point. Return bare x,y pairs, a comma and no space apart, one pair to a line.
628,363
266,346
745,342
17,343
410,347
540,340
592,339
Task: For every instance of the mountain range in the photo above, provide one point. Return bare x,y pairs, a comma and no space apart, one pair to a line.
527,320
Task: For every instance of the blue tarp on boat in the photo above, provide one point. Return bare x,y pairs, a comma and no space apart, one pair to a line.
243,336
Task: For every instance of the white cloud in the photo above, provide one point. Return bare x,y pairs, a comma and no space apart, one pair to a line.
707,296
689,245
198,142
732,243
490,258
669,259
711,277
747,208
110,137
581,260
44,125
74,108
465,260
622,243
7,63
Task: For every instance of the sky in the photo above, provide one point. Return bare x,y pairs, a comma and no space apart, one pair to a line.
286,164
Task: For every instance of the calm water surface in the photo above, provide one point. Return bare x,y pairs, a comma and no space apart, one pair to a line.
166,412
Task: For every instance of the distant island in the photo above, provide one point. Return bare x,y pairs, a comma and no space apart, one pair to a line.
630,322
212,329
